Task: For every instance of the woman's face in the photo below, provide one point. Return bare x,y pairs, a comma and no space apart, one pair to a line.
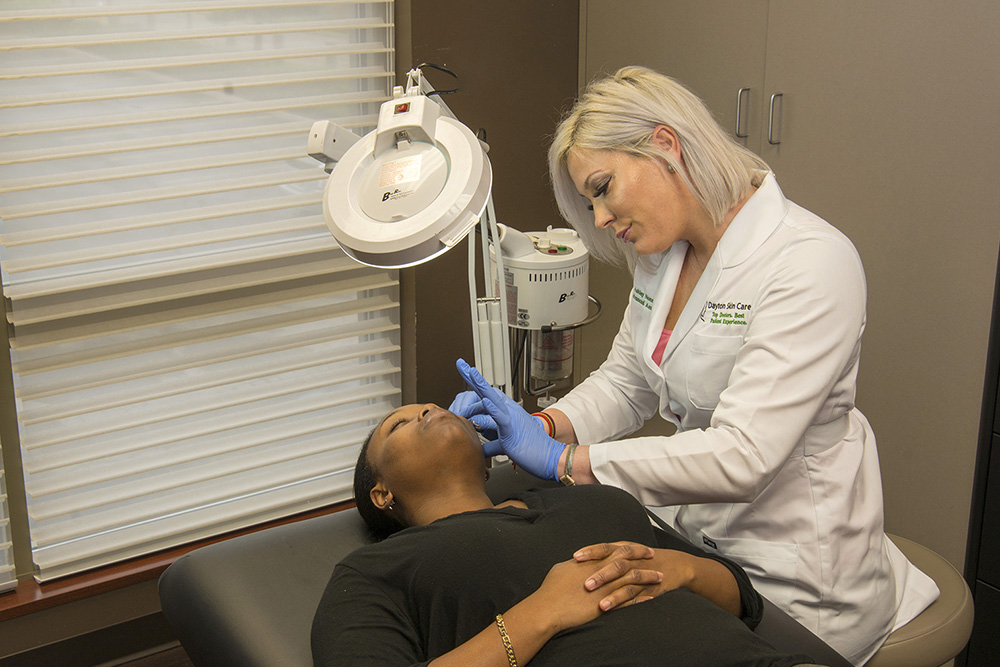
417,443
634,198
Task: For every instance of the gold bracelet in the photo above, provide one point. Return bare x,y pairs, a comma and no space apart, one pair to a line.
506,641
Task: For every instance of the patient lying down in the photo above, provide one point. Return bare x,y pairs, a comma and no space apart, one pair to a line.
461,580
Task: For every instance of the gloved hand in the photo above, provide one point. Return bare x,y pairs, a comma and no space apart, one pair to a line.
467,404
520,436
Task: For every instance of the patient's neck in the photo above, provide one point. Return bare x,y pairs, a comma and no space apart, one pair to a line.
446,500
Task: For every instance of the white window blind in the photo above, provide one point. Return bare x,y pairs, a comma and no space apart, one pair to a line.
7,575
192,352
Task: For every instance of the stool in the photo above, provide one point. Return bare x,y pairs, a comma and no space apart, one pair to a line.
939,632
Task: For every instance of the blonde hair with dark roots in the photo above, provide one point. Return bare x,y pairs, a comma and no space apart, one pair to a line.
620,113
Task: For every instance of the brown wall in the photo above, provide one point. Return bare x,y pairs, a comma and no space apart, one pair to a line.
517,66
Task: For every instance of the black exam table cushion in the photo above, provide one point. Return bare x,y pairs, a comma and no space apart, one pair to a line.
250,601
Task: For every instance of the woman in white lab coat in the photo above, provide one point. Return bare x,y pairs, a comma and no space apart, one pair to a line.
743,329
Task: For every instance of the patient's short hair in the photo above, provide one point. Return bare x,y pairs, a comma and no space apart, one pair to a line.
381,524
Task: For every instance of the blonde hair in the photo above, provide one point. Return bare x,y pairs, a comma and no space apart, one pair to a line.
620,113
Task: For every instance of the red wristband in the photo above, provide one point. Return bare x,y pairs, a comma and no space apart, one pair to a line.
548,423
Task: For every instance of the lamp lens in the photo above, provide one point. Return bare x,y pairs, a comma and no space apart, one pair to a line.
403,181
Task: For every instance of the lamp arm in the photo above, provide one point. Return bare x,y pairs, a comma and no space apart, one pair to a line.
501,286
328,142
415,82
490,327
474,302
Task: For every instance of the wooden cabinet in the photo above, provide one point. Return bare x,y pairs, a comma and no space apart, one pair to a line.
982,563
887,129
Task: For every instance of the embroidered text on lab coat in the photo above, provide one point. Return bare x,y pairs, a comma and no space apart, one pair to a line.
726,313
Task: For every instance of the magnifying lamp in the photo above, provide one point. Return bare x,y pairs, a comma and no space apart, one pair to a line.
412,189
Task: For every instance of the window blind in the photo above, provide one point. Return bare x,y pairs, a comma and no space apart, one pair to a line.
7,575
192,352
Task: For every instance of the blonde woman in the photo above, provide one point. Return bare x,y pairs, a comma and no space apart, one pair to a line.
743,329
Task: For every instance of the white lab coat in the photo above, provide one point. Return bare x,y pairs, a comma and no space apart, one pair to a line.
772,465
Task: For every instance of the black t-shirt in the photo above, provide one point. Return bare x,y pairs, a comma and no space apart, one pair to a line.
426,590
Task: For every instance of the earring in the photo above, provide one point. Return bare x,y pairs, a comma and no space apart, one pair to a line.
670,168
392,505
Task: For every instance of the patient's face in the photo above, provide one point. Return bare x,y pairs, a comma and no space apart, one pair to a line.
416,440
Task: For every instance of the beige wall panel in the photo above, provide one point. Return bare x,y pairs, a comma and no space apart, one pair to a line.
715,47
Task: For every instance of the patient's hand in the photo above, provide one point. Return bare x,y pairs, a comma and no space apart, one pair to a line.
568,602
704,576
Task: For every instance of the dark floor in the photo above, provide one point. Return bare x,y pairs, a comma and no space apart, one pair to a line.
174,657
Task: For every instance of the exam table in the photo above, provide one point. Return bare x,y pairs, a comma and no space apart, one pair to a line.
249,601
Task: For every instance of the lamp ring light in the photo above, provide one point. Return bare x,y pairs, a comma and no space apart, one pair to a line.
411,189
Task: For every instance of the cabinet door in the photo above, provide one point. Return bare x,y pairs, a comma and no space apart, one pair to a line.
996,411
715,47
888,130
989,544
984,644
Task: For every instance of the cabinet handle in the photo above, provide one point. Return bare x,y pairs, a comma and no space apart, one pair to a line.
770,122
739,112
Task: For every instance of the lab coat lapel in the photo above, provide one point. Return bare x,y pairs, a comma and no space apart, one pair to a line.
666,278
755,222
694,309
749,229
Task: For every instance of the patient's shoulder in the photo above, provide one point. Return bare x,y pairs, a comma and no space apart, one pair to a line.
592,496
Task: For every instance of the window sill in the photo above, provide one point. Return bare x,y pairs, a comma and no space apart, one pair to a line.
30,596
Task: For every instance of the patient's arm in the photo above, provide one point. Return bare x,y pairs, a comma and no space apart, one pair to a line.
704,576
359,624
560,603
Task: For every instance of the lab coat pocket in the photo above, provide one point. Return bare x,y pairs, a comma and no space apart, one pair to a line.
710,364
772,566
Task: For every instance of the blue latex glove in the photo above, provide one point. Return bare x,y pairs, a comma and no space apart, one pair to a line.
468,404
520,436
